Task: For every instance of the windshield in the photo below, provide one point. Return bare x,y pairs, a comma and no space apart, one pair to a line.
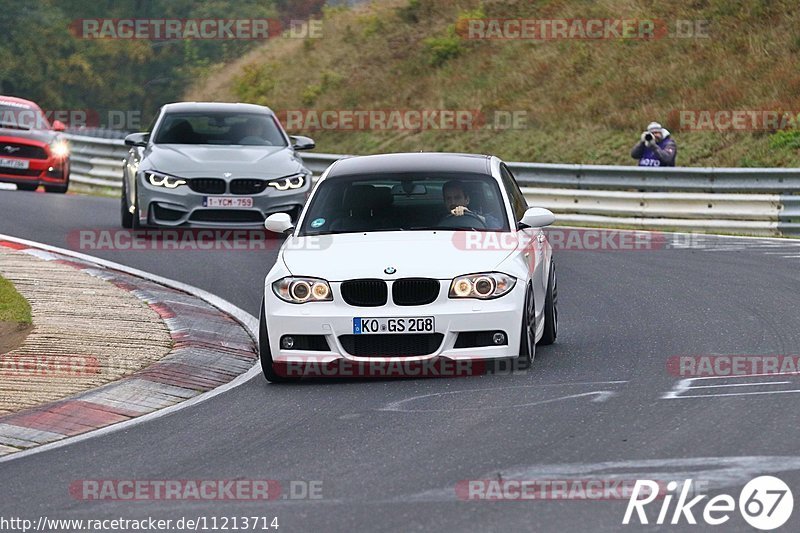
252,129
401,202
22,117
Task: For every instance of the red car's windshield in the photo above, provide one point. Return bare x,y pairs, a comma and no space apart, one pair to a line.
18,116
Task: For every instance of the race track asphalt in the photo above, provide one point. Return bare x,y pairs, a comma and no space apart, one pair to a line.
390,453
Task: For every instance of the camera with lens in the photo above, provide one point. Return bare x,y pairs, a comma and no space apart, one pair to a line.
648,137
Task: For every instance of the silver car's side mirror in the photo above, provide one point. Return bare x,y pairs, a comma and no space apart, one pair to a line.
299,142
537,217
279,223
137,139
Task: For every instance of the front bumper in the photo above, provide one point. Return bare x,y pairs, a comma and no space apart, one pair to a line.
183,207
40,172
452,316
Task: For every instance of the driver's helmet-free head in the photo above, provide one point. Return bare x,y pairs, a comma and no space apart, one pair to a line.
455,194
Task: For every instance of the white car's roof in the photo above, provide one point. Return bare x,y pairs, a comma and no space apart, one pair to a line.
412,162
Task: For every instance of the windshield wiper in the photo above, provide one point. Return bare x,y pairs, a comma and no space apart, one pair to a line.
365,230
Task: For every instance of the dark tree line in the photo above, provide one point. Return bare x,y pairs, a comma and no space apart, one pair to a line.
44,59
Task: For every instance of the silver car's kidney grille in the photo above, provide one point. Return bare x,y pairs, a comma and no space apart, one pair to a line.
207,185
248,186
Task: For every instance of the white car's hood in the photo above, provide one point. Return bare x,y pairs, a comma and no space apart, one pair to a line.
440,255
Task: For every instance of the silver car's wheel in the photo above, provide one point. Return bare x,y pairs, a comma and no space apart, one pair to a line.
126,218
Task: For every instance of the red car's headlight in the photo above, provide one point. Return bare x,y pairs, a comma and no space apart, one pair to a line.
59,149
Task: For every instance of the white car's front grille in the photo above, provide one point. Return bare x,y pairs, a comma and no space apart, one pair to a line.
415,291
391,345
364,292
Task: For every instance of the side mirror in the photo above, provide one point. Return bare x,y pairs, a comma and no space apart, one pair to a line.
58,125
279,223
137,139
300,142
537,217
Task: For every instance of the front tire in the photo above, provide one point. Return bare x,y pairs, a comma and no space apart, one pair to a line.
58,189
527,342
550,308
27,186
126,217
129,220
265,354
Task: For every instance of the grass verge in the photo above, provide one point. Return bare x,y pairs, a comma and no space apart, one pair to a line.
584,101
94,190
13,307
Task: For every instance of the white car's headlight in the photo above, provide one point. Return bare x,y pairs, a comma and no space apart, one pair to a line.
289,182
484,286
301,290
59,148
158,179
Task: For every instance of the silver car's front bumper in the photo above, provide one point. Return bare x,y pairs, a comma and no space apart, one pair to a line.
184,207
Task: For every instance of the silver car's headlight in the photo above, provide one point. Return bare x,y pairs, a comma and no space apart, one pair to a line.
159,179
484,286
289,182
301,290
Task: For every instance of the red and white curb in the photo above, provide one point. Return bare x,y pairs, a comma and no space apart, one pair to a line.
213,351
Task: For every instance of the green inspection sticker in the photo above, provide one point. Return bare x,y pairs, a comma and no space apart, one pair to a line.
316,223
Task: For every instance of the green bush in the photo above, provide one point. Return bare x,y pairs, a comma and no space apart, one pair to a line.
786,139
255,83
441,49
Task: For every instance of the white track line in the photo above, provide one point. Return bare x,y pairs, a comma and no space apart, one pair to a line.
793,391
741,385
248,321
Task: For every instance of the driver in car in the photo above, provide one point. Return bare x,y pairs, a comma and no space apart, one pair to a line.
252,132
456,200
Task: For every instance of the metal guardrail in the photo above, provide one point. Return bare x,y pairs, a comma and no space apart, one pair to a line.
757,201
102,133
96,161
734,200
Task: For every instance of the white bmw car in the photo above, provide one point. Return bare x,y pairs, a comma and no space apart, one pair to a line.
409,258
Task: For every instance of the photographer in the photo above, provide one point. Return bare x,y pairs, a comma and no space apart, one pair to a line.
656,148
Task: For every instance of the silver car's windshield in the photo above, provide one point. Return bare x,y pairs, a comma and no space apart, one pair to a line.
401,202
251,129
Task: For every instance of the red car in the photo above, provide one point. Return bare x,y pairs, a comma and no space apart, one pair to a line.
32,152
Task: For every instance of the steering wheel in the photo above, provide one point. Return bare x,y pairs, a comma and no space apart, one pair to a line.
458,222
